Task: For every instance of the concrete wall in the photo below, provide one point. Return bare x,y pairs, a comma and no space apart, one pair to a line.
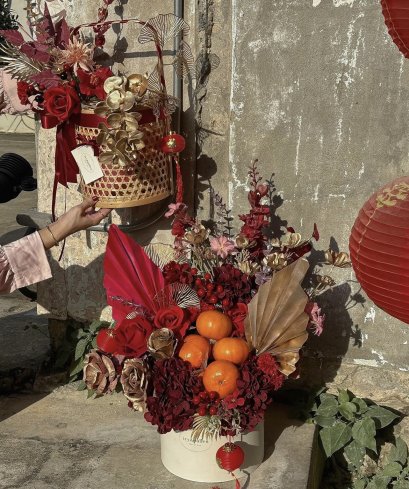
318,92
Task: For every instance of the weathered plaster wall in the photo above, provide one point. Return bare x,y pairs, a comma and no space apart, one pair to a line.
319,93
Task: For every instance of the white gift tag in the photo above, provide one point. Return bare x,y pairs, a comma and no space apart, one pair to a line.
88,163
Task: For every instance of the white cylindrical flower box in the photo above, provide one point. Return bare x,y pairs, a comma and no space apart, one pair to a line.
196,461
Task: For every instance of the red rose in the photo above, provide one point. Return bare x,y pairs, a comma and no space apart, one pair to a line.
92,84
129,337
62,102
173,318
238,314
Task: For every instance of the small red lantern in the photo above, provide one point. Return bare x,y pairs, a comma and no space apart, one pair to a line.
396,13
229,457
379,247
173,143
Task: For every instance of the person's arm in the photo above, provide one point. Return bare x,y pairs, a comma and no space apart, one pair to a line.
24,262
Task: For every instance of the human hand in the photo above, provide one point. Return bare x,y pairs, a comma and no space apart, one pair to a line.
78,218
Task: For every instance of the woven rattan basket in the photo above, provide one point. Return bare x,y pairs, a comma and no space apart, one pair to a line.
148,180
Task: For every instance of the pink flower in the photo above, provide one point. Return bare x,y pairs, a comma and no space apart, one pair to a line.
222,246
316,318
175,209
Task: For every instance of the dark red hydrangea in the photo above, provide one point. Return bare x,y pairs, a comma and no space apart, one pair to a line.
236,284
178,273
175,384
253,394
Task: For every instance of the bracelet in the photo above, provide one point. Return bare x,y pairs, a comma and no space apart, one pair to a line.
56,243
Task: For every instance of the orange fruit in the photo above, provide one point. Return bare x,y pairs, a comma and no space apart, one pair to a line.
234,350
214,325
195,350
221,376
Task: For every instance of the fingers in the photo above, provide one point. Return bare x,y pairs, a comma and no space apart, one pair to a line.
97,216
88,202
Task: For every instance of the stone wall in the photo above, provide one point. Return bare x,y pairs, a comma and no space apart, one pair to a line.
317,91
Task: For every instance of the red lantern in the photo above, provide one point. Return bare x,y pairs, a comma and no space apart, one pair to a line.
379,247
173,143
229,457
396,13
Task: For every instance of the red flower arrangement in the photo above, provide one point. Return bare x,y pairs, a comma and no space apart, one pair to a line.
172,319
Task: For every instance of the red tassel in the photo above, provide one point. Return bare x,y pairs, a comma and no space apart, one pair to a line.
179,181
238,486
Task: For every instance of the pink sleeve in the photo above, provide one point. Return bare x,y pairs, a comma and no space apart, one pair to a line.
23,263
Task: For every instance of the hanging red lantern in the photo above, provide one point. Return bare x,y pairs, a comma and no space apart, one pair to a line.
380,251
396,13
230,457
173,143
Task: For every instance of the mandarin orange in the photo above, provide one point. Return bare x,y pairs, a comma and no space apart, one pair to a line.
235,350
221,376
195,350
214,325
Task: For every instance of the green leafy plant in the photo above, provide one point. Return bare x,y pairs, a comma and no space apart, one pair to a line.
348,427
84,340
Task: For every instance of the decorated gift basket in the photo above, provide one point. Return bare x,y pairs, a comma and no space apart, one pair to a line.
122,121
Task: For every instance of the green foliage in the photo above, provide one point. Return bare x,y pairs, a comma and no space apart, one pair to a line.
84,340
348,426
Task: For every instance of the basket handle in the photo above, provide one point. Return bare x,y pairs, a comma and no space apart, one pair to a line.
109,23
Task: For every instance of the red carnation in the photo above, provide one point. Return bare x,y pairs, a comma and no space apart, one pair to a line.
92,83
61,102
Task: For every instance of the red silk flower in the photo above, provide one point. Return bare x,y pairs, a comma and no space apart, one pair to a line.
61,102
173,318
92,84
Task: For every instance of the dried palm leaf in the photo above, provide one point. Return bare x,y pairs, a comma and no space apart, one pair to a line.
18,65
184,62
166,27
177,295
205,427
161,254
276,321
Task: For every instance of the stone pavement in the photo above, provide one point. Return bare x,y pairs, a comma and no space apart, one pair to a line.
62,440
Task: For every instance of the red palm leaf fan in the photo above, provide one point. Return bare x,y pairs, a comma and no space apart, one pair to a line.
379,247
396,13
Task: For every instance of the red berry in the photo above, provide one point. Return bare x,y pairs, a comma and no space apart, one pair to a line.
207,276
67,67
202,411
204,396
196,400
100,41
219,289
210,287
226,302
41,87
193,271
201,292
213,299
213,395
213,410
198,282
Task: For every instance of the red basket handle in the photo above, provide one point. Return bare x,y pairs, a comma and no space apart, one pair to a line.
140,22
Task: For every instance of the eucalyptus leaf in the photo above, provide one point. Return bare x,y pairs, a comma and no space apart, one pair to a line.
355,453
383,417
328,407
399,452
363,431
335,437
393,469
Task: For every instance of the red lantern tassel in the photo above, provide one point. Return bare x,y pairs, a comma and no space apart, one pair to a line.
179,181
238,486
